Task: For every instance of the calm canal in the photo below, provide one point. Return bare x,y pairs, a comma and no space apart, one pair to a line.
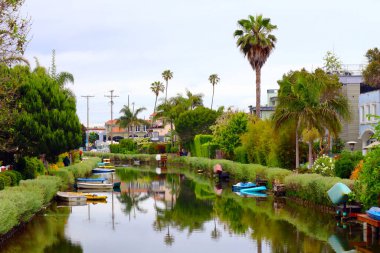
172,212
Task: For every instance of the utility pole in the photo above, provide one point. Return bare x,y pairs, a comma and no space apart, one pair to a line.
112,96
88,109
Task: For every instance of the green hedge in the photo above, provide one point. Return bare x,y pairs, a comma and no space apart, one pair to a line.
125,158
199,140
312,187
20,203
2,184
6,179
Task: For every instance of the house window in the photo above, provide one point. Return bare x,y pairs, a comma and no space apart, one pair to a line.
144,128
362,116
138,128
373,111
367,111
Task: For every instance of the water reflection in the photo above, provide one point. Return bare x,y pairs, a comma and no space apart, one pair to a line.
176,212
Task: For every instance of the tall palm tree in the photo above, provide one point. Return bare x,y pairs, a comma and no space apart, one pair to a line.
130,118
310,100
214,79
256,43
156,88
167,75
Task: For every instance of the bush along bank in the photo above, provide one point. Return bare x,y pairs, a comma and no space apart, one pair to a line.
125,158
19,203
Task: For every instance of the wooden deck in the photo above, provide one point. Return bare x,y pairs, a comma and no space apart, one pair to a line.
365,218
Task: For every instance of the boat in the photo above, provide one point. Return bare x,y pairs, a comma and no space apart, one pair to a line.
106,166
116,184
71,197
94,185
92,180
253,190
241,185
91,196
338,194
253,194
136,162
374,213
102,170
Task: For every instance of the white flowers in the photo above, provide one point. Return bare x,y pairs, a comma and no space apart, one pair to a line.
324,165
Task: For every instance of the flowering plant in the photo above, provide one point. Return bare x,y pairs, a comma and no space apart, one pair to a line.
324,165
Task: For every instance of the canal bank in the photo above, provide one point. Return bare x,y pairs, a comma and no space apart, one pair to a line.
20,203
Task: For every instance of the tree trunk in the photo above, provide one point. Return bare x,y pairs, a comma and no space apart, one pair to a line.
310,155
171,133
166,91
297,147
258,81
154,110
212,99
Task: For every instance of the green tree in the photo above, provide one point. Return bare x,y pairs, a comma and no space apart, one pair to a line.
227,130
214,80
13,32
371,73
309,135
47,122
256,42
167,75
197,121
62,78
332,63
194,100
130,118
156,88
308,100
93,137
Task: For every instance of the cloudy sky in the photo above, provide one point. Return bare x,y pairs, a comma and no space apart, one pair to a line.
125,45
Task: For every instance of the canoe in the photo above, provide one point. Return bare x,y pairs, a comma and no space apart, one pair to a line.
338,194
374,213
136,162
241,185
253,189
71,196
91,196
92,180
253,194
106,166
94,185
101,170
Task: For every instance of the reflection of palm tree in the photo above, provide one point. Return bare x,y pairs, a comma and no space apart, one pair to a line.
215,233
132,201
169,239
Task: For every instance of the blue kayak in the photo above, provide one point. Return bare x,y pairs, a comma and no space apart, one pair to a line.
374,213
100,179
253,190
241,185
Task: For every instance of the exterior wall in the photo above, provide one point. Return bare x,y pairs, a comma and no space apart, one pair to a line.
369,103
350,129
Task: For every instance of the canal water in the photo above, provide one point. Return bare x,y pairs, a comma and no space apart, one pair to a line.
168,211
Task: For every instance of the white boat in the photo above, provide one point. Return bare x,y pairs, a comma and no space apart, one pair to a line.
87,185
71,197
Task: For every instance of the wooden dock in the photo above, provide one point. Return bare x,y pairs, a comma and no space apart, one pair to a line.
370,227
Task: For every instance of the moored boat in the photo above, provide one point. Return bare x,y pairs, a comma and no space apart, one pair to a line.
91,196
338,194
93,180
71,196
94,185
241,185
102,170
116,184
374,213
253,190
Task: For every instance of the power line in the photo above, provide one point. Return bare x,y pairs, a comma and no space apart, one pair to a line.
88,109
112,96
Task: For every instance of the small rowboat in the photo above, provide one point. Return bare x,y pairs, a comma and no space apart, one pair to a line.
94,185
338,194
374,213
101,170
253,190
91,196
106,166
71,196
241,185
92,180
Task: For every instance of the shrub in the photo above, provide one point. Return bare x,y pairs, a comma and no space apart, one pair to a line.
13,177
208,150
199,140
2,185
30,167
240,155
367,186
357,170
324,166
7,179
346,163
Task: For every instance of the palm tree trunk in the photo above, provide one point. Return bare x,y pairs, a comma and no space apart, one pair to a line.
310,155
212,99
171,132
155,103
297,147
258,81
166,91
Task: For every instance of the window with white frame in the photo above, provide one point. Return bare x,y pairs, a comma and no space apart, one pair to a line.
362,115
367,111
138,128
373,111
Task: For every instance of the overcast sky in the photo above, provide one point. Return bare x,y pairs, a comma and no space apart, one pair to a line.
125,45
